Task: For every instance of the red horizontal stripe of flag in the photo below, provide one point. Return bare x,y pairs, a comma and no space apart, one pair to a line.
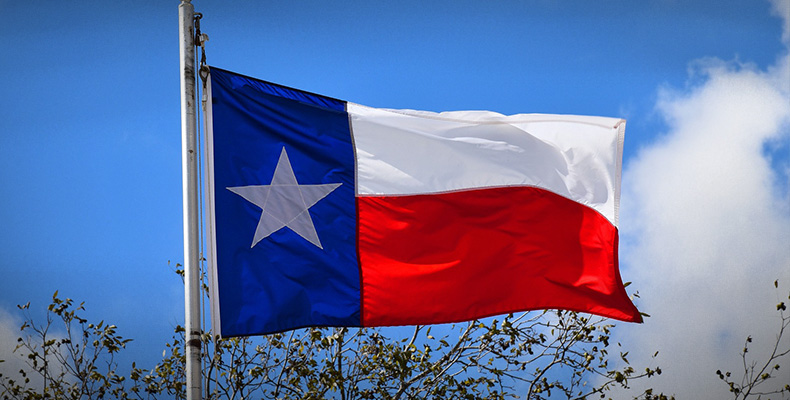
463,255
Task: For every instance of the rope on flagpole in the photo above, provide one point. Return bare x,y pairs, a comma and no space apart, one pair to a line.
200,42
201,251
201,260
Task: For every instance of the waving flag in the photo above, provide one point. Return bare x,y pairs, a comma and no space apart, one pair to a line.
328,213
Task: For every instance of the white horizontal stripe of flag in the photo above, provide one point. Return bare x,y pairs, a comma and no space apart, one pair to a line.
406,152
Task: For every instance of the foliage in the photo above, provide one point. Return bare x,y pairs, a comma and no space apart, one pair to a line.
539,354
758,375
79,364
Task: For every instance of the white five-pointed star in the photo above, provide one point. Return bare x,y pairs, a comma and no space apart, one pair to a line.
285,202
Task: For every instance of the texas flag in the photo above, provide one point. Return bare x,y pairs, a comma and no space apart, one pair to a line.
323,212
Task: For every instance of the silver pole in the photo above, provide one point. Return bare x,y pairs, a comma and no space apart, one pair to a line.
189,171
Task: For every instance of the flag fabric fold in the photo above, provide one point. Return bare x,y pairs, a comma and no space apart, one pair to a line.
324,212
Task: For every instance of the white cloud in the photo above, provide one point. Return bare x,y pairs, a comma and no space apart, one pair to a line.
706,228
9,332
781,8
16,360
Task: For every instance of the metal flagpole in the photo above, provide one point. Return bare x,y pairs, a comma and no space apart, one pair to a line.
189,172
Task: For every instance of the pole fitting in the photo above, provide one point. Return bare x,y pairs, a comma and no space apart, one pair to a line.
194,343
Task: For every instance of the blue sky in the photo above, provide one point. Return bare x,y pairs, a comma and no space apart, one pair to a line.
90,164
